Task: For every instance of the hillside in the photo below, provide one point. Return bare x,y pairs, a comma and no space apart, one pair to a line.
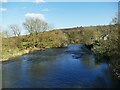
62,37
105,41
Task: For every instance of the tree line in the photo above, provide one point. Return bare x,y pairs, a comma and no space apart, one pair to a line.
105,39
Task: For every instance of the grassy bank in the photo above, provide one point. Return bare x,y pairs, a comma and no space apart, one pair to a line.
105,41
103,38
17,46
16,53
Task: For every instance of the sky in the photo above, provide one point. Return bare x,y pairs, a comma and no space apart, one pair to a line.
59,0
60,14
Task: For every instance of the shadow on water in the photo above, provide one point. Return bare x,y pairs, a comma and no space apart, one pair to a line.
71,67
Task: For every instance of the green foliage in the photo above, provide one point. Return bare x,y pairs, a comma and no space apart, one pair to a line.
51,39
108,44
104,39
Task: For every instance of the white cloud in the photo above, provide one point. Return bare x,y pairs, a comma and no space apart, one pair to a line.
35,15
3,9
39,1
45,9
3,0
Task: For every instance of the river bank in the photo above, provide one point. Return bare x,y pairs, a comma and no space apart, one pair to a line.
19,53
114,61
70,67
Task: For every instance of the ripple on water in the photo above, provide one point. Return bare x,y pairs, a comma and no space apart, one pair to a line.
70,67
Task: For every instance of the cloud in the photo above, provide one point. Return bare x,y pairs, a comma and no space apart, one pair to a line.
3,0
3,9
39,1
36,15
45,9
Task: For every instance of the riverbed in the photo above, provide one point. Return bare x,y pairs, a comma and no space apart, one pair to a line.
73,66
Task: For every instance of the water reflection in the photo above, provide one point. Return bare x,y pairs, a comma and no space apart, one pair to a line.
71,67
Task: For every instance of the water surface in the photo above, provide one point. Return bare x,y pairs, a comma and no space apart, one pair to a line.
70,67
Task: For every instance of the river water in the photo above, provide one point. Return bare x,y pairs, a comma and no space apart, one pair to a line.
70,67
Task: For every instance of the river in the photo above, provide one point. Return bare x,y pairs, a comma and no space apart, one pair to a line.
70,67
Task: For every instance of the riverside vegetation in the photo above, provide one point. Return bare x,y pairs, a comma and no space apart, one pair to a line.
104,39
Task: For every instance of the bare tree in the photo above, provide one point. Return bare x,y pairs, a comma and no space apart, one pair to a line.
35,25
44,26
28,25
5,34
15,29
50,27
1,31
116,19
